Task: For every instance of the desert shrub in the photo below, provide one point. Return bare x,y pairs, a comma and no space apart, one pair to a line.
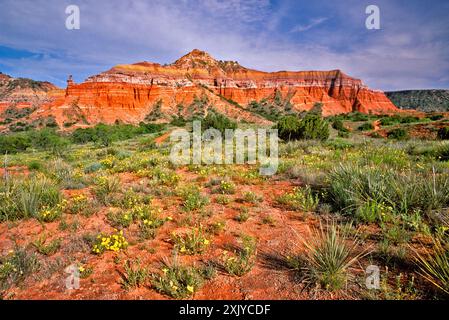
357,116
436,117
409,119
217,121
13,143
366,126
337,124
35,165
311,127
106,134
118,218
48,139
45,139
390,120
443,133
288,128
178,121
64,174
398,134
225,187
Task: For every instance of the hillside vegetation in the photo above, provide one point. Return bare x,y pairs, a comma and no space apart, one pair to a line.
422,100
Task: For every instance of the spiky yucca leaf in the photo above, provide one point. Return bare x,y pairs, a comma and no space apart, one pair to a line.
434,266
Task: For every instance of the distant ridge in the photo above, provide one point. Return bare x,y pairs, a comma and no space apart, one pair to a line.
422,100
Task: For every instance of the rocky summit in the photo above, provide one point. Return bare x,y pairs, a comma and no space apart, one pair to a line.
192,85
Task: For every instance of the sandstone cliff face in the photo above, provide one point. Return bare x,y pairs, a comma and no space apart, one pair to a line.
197,82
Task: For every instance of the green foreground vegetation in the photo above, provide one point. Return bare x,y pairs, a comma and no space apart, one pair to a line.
380,200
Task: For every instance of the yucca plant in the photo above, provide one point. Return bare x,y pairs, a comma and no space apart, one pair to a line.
434,266
329,255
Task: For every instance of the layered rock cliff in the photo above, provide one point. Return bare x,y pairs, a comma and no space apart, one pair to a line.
197,82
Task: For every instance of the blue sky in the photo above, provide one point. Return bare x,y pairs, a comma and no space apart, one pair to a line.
411,51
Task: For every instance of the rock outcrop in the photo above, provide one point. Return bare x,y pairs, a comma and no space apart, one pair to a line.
197,82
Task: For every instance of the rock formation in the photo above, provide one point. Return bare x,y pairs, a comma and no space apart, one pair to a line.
194,84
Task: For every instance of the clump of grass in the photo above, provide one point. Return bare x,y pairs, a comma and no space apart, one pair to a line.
251,197
50,214
16,266
195,201
180,281
268,219
85,271
134,275
300,199
65,175
353,186
25,197
119,218
105,186
47,249
222,199
242,260
222,186
434,266
191,242
243,215
216,227
328,257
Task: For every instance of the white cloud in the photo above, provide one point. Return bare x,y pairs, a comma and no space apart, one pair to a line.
313,23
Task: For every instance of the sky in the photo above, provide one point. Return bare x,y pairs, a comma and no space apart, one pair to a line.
409,51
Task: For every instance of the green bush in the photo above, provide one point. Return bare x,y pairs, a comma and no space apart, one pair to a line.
337,124
398,134
45,139
443,133
390,120
436,117
217,121
106,134
366,126
311,127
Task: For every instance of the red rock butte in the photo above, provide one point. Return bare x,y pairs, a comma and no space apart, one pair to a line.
130,92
